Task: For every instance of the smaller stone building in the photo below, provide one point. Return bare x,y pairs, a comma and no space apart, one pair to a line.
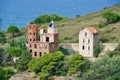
48,40
88,40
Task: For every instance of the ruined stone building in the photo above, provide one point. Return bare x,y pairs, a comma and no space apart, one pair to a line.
48,40
88,40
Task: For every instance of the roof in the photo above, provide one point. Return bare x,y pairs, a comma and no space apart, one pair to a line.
92,30
52,25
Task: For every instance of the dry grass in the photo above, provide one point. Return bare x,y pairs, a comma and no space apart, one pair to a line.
70,27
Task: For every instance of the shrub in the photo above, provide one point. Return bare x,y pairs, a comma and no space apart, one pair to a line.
67,38
14,52
64,51
76,64
8,73
1,51
101,25
13,30
106,68
98,49
21,63
5,74
46,18
111,17
48,65
2,38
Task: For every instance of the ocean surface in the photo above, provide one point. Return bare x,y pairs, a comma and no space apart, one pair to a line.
21,12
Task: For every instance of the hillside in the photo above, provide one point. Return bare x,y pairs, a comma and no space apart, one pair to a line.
69,28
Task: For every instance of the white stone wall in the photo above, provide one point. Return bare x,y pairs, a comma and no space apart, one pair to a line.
50,33
71,46
87,42
52,30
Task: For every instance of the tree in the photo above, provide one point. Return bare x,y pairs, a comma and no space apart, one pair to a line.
8,73
98,49
5,74
111,17
13,30
64,51
2,38
78,15
21,63
1,50
75,64
47,18
48,65
2,72
14,52
55,17
106,68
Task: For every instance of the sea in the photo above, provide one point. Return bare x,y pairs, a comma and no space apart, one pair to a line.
21,12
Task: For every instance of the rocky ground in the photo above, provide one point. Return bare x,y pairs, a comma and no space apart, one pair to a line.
24,76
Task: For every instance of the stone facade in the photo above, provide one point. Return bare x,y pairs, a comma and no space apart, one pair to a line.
48,40
88,39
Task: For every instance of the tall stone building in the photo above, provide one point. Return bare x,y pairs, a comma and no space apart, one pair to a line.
88,40
48,40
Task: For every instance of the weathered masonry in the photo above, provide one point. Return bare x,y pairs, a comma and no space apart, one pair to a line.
48,40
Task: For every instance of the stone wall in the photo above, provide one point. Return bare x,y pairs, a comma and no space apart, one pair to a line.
72,46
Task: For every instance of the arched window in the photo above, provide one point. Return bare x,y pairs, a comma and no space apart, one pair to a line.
30,50
30,33
35,54
30,46
85,33
30,39
47,39
34,33
40,54
35,45
33,39
88,47
83,47
88,40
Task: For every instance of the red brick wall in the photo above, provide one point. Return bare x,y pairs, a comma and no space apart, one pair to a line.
32,33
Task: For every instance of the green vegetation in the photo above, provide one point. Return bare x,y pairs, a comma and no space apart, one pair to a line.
62,64
58,65
1,51
75,64
111,17
106,68
21,63
46,18
64,51
5,74
14,52
101,25
18,43
70,27
98,49
13,30
77,15
2,38
47,65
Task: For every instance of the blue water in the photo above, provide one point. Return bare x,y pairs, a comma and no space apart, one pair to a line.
21,12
